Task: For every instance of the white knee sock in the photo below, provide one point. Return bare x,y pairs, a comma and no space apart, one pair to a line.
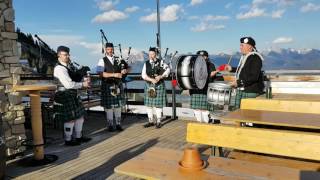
150,114
117,114
159,114
78,127
205,116
68,129
197,115
109,115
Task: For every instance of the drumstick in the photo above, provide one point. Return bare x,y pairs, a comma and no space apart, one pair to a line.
230,60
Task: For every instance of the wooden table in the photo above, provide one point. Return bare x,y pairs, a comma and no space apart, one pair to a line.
161,163
293,97
36,118
288,119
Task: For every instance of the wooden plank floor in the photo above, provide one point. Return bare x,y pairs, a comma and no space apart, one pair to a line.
98,158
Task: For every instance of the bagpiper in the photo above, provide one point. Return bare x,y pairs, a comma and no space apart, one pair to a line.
67,104
155,97
111,70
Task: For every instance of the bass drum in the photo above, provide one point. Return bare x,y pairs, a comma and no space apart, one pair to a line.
191,72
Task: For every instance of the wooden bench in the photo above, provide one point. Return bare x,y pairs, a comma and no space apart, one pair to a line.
276,119
302,148
281,105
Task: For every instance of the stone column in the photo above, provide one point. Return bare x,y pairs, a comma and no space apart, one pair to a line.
10,70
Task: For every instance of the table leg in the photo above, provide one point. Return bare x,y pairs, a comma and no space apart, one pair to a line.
36,122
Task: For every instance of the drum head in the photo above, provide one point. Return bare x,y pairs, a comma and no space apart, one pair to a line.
200,72
191,72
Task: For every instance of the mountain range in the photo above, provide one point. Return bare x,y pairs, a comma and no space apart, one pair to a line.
280,59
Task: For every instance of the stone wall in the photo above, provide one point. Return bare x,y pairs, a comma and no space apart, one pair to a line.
10,70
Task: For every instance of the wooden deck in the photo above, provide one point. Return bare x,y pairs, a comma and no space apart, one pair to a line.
98,158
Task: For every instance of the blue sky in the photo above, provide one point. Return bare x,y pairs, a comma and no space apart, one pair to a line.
187,25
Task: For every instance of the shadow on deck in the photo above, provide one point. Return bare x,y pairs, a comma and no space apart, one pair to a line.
97,158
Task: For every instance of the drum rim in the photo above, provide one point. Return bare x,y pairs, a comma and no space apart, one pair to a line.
219,84
190,79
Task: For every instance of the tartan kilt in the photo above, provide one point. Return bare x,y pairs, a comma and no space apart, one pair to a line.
199,101
107,100
159,101
67,106
243,95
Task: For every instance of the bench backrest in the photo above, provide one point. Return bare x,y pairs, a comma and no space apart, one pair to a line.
281,105
268,141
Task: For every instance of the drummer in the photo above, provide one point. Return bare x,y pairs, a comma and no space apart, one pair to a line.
249,77
155,97
199,102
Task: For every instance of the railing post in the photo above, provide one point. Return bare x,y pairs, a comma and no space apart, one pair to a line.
173,117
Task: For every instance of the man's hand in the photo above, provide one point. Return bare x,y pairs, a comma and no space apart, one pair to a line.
228,68
233,84
158,78
213,73
124,71
117,75
154,81
86,83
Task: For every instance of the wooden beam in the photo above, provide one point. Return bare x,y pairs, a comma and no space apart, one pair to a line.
277,142
281,105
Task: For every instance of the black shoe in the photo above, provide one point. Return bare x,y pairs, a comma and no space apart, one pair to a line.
110,129
211,121
148,125
158,125
83,139
71,143
216,121
119,128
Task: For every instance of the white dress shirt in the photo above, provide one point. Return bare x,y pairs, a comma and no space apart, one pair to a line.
61,73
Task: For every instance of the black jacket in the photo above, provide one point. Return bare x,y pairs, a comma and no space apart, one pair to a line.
251,76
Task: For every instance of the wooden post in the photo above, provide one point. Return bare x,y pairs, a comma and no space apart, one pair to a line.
36,123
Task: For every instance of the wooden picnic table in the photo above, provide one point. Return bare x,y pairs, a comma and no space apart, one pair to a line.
36,118
162,163
293,97
287,119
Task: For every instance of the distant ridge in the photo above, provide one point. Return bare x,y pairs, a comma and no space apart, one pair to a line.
284,59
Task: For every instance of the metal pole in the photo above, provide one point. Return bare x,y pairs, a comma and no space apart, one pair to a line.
174,108
173,117
158,34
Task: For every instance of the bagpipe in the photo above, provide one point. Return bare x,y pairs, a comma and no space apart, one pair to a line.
78,72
